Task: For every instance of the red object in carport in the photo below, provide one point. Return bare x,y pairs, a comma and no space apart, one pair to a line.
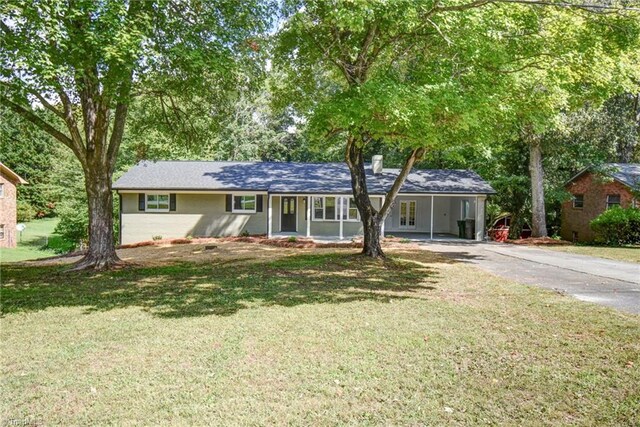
499,234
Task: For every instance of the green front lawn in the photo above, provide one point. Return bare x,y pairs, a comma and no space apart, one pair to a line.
320,338
38,241
629,254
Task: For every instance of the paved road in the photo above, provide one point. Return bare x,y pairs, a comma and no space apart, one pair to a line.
612,283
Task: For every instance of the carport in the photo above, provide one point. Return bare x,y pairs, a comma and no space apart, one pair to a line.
437,216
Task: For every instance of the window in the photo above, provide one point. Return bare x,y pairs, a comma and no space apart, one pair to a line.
1,190
157,203
244,203
349,210
330,208
318,208
1,231
578,201
325,208
613,200
408,214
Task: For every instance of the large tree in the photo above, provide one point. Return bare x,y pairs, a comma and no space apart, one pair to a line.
84,61
421,75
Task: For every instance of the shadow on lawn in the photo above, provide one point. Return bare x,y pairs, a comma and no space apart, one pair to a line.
186,289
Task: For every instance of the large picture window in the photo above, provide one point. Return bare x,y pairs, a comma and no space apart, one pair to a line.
157,203
324,208
244,203
327,208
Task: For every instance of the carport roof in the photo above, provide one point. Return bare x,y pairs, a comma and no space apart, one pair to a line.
284,177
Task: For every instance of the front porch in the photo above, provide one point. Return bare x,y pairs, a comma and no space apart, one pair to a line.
334,217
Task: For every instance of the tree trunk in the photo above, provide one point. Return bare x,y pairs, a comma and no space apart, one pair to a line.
539,221
372,229
101,253
373,219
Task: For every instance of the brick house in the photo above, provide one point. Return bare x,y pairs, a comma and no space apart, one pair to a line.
593,191
8,181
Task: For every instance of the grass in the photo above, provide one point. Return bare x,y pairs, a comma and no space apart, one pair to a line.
38,241
629,253
321,338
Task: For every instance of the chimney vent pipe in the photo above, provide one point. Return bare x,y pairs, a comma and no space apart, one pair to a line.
376,164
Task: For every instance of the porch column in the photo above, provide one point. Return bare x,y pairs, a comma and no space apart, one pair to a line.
480,217
431,219
382,226
270,216
309,200
341,219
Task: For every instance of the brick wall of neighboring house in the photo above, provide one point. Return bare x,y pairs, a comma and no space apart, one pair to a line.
8,212
595,189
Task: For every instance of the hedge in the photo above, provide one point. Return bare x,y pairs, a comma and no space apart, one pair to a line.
617,226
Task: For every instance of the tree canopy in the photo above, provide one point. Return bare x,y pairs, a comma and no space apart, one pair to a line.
84,61
416,76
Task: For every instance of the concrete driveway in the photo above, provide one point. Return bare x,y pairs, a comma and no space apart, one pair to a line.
611,283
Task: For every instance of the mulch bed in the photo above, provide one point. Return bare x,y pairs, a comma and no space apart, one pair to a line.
300,243
538,241
181,241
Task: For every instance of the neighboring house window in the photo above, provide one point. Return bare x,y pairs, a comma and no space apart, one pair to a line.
157,203
578,201
1,190
1,231
324,208
613,200
349,209
244,203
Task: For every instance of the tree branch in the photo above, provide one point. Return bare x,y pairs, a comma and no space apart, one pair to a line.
415,156
40,98
35,119
584,6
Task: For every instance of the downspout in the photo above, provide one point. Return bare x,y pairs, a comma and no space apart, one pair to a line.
119,218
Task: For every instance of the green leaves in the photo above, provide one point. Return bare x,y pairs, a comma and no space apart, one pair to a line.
414,75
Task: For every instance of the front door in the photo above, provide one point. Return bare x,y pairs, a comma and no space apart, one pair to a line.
288,210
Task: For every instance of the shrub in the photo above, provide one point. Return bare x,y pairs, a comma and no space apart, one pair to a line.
74,221
25,212
617,226
292,239
158,237
244,233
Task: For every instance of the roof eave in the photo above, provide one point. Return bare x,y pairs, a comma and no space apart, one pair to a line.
16,178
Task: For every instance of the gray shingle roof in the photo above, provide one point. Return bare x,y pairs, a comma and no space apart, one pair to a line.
280,177
626,173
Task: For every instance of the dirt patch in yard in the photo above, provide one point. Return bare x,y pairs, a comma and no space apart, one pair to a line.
231,249
538,241
199,251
